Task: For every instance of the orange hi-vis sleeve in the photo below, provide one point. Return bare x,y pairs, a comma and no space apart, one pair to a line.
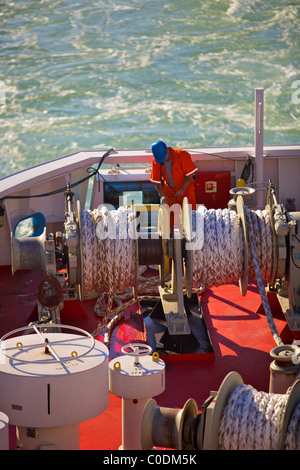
182,166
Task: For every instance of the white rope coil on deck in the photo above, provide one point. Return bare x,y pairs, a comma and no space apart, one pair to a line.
252,420
218,247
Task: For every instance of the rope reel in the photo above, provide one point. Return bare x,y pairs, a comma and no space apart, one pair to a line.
219,247
217,250
253,420
113,254
222,251
49,293
112,249
237,417
229,246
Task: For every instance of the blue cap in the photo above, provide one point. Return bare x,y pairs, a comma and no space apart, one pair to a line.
159,150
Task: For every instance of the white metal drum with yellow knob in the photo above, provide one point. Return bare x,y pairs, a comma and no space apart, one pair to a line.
135,377
50,382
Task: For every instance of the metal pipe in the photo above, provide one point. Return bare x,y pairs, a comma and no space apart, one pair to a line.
259,143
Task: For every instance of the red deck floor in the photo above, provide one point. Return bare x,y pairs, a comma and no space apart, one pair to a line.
240,337
241,341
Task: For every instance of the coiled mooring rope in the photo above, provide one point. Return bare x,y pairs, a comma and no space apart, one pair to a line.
49,293
109,252
219,245
252,420
219,250
108,241
258,268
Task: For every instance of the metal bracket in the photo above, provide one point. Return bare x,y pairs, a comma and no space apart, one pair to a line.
172,295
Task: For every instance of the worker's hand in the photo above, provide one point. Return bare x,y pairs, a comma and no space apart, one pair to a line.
164,200
180,192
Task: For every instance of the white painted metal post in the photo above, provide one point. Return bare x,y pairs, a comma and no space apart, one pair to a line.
4,431
135,381
132,415
259,145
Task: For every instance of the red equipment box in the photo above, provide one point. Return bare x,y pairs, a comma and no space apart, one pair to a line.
212,189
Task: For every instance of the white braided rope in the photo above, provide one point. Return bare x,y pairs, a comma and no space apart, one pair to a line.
252,420
109,253
219,246
219,251
218,242
108,250
292,440
259,271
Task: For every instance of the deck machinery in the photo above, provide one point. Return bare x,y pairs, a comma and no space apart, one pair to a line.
177,310
164,251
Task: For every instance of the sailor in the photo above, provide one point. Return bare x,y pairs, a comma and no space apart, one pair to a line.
172,173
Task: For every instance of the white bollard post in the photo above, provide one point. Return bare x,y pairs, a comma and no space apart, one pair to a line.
135,380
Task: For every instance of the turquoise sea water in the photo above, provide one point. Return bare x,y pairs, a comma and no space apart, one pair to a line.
87,74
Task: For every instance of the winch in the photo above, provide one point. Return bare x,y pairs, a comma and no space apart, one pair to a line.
103,251
236,417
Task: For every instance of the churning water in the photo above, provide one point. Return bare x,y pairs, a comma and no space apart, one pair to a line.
90,74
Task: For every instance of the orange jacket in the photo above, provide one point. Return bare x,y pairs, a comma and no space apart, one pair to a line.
182,166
